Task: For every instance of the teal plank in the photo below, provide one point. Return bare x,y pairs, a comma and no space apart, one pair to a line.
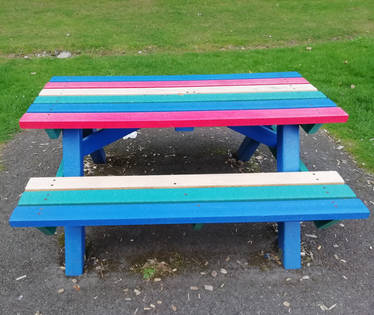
80,99
185,195
180,106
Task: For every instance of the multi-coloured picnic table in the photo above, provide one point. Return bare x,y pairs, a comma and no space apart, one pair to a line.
94,111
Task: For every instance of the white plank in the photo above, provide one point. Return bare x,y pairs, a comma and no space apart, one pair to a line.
184,181
181,90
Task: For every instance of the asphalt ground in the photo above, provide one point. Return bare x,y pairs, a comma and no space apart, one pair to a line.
221,269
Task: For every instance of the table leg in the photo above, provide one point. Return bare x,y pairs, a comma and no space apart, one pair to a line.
72,158
288,160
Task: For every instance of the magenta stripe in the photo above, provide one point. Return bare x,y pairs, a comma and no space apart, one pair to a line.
166,84
183,119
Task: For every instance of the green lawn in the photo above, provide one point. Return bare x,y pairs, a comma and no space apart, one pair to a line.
192,37
164,26
331,67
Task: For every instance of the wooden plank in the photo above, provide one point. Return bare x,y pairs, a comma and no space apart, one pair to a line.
167,84
182,90
183,119
121,196
230,76
173,107
178,98
184,181
204,212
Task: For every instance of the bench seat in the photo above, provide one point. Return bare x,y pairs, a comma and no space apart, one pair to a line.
286,198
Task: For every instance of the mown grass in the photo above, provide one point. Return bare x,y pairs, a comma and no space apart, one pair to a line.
335,68
164,26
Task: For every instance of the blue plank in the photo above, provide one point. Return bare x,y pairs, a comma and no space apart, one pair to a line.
178,213
180,106
83,99
176,77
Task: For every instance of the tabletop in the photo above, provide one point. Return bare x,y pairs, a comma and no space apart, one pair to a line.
249,99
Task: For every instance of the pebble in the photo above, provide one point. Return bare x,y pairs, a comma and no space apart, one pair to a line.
21,277
214,273
208,287
74,280
286,304
304,278
62,290
193,288
137,292
64,54
159,302
157,279
223,271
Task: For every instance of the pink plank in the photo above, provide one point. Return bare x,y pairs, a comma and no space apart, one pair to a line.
183,119
160,84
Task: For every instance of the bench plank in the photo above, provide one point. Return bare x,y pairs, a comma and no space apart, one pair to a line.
184,181
178,213
185,195
182,90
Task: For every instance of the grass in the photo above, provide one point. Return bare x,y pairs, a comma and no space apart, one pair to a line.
194,36
332,67
165,26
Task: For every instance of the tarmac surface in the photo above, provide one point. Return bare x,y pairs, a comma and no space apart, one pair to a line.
221,269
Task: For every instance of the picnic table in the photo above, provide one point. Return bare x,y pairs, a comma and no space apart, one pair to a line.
93,111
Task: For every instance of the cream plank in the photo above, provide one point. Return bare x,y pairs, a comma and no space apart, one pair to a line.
184,181
181,91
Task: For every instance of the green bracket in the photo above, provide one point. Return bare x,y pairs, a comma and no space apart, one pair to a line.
198,227
53,133
311,128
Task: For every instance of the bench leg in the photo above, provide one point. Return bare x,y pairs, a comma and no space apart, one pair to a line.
246,149
289,240
74,250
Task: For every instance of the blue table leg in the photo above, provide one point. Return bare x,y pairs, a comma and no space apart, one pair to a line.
288,160
246,149
72,158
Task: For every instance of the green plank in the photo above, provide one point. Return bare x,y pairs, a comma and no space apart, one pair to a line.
53,133
185,195
311,128
177,98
